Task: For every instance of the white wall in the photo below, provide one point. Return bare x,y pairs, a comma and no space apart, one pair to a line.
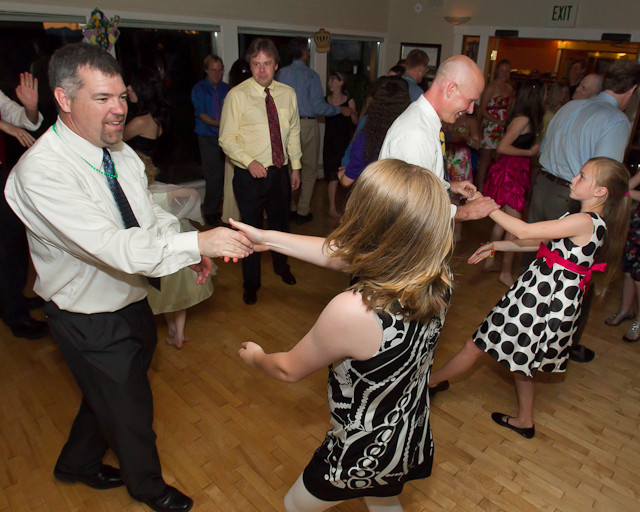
528,16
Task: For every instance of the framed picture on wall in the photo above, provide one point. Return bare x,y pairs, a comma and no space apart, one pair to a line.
470,46
432,51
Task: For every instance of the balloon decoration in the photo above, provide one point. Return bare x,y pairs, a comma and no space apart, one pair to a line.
102,31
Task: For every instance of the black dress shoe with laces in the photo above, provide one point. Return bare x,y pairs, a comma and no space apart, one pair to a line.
288,278
171,501
29,328
250,297
107,477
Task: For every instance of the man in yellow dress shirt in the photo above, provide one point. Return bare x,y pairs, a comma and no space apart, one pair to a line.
258,183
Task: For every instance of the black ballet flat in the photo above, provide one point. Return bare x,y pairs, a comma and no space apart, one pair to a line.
442,386
503,421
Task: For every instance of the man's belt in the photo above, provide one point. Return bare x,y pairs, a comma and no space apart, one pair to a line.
555,179
306,117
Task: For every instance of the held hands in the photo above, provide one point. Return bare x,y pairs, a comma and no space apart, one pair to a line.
483,252
248,353
254,235
224,243
203,269
477,207
464,188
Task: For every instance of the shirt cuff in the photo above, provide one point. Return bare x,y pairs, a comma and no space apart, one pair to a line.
295,164
187,244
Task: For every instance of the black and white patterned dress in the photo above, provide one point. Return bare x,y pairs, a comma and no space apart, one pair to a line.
381,436
530,329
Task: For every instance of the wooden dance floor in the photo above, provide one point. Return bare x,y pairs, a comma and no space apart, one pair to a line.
236,440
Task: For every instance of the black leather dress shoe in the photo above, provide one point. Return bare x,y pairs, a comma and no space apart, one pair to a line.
29,328
250,297
288,278
172,501
107,477
35,302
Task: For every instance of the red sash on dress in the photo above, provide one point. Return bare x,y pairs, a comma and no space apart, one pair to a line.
552,257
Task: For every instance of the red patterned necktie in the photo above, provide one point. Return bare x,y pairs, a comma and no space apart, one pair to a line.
277,153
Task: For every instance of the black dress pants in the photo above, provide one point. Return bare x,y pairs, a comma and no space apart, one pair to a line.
109,355
213,170
255,196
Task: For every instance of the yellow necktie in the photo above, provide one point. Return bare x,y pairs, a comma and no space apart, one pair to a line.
442,142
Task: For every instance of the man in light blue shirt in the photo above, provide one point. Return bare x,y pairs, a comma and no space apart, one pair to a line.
582,129
311,103
416,65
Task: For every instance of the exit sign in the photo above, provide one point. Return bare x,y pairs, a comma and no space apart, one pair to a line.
562,14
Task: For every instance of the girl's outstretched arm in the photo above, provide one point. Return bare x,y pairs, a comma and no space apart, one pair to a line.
344,329
517,245
306,248
578,227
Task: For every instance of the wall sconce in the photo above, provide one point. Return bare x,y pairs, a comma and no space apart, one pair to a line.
457,20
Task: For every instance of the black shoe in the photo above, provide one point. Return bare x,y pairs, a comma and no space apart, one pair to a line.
288,278
250,297
171,501
581,354
29,328
503,421
442,386
34,302
303,219
107,477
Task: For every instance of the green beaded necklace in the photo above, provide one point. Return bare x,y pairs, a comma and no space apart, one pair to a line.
115,173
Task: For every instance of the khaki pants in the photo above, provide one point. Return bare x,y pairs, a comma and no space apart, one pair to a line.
310,143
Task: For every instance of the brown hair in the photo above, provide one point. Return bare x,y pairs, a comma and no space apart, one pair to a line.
262,44
416,58
396,236
614,176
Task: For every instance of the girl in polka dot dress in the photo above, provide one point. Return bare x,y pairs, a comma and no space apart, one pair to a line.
531,327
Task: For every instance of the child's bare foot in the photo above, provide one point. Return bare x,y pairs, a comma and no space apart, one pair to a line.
177,341
506,278
335,214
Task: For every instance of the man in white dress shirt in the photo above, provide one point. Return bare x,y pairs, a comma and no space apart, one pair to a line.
93,271
416,135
